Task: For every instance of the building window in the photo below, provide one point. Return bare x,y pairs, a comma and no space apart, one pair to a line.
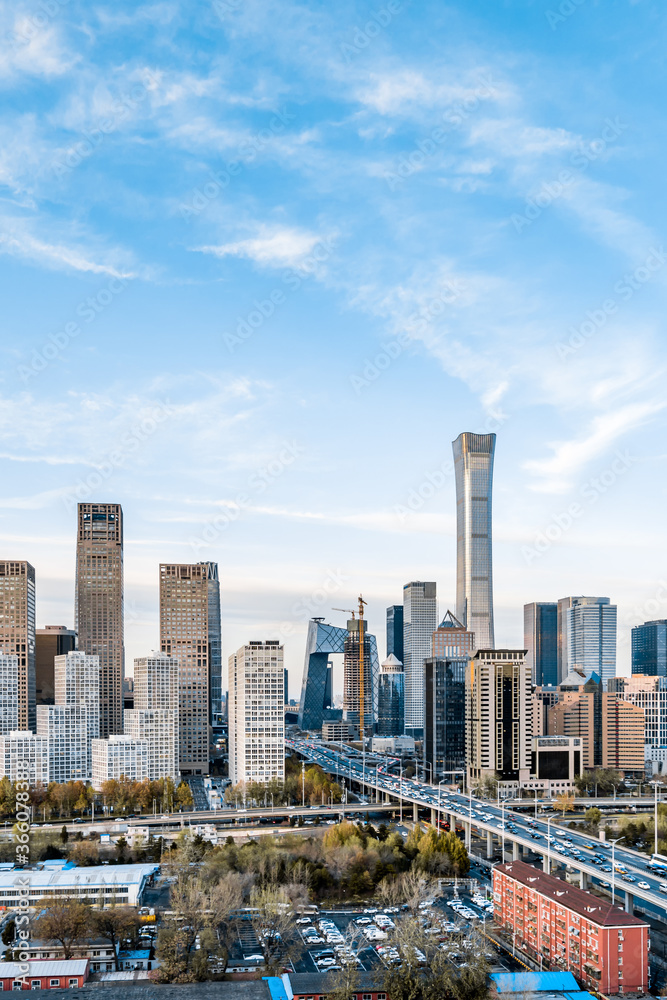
17,985
35,984
54,982
73,983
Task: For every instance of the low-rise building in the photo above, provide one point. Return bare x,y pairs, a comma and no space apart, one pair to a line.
316,985
44,975
99,953
393,744
20,748
564,927
122,885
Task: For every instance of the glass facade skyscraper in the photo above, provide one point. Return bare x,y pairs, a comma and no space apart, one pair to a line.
540,637
391,698
473,466
395,631
589,635
420,620
445,715
649,648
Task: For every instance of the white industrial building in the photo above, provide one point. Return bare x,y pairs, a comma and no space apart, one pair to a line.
118,757
256,709
99,885
22,754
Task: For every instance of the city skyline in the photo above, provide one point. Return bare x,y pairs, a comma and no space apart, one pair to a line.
144,361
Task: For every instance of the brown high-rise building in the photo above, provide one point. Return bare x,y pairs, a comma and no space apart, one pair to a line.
50,641
190,631
99,603
17,630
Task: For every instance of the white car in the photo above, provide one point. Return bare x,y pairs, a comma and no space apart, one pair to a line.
643,885
304,920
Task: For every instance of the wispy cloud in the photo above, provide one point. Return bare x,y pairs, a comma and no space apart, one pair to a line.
273,246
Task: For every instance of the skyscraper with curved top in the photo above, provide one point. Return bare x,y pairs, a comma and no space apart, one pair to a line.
473,466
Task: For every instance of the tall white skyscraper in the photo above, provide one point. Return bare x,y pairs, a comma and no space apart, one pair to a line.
76,677
473,467
9,692
420,620
256,682
155,717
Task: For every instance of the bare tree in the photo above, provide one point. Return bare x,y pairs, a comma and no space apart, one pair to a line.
273,923
64,921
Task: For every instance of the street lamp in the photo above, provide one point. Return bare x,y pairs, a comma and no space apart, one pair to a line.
655,817
549,818
613,869
440,783
303,784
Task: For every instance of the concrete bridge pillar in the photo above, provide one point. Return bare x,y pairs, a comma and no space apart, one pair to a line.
546,867
516,851
452,822
583,880
489,845
468,834
415,814
629,902
434,817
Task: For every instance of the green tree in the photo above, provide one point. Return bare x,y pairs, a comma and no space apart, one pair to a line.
593,817
64,835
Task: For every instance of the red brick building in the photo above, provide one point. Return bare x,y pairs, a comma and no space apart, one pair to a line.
567,928
44,975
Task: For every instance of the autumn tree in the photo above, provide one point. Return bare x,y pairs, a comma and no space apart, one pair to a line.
184,798
565,803
115,924
65,921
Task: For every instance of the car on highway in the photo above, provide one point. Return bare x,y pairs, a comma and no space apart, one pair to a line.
643,885
628,878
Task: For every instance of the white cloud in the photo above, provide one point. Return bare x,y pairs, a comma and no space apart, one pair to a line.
557,474
279,246
17,240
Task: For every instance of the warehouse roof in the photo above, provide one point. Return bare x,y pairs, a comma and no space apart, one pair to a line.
63,878
73,967
535,982
585,904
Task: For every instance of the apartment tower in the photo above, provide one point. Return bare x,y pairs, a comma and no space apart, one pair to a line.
155,716
99,603
473,467
498,716
256,713
190,632
420,619
17,630
540,637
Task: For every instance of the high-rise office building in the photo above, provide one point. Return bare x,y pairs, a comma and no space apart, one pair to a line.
395,631
586,636
420,620
445,717
77,682
65,727
540,637
650,694
452,640
543,699
352,678
22,754
99,603
591,637
391,698
119,757
154,718
215,647
256,713
50,641
649,648
498,716
473,467
190,631
9,692
17,630
622,736
286,686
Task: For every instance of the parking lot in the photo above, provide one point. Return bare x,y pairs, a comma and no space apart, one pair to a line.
365,936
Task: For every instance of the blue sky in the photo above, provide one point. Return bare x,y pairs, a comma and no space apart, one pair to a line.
263,261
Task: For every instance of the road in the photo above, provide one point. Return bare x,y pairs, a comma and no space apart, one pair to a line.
517,829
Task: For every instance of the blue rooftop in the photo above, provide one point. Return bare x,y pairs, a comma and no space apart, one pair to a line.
276,987
536,982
